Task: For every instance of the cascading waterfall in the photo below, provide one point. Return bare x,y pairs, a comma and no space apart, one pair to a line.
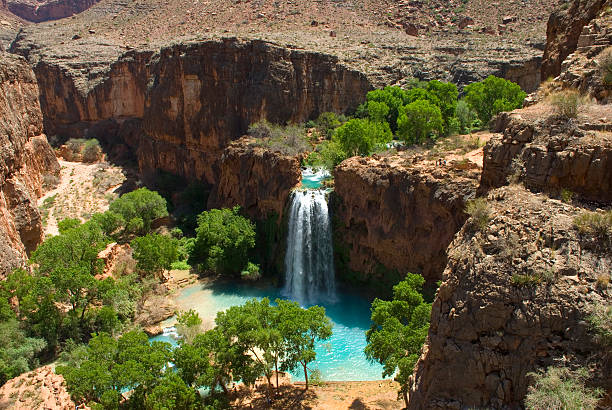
309,262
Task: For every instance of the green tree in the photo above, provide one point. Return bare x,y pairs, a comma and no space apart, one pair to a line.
189,325
172,393
466,117
362,136
112,366
223,240
446,95
110,222
418,120
398,331
154,253
66,224
18,353
139,209
300,329
327,122
492,96
393,97
378,111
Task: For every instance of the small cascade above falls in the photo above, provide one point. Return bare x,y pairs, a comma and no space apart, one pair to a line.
309,261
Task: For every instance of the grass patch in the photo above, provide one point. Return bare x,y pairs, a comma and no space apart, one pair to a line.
567,103
526,280
600,321
598,224
605,66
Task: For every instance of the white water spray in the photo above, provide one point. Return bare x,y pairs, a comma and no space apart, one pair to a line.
309,262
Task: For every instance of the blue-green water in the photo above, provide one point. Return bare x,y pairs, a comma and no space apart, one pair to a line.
312,179
339,358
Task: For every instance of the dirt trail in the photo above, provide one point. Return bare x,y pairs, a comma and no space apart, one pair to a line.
83,190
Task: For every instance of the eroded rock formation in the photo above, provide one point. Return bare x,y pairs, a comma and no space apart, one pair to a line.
25,159
550,153
393,215
488,331
37,11
564,28
179,108
256,179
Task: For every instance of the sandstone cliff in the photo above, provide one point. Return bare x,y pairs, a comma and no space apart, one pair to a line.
38,389
488,330
179,108
551,153
25,158
395,215
37,11
255,178
564,28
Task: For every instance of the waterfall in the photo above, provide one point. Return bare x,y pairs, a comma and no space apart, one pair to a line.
309,262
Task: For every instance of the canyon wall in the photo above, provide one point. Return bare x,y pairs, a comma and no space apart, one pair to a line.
38,11
257,179
488,330
551,154
397,217
25,159
179,108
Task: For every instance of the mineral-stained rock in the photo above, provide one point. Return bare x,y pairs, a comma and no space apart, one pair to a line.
487,331
563,31
549,153
256,179
398,216
25,157
38,389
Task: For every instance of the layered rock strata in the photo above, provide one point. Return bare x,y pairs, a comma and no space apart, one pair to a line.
25,159
395,215
38,11
256,179
179,108
551,153
515,298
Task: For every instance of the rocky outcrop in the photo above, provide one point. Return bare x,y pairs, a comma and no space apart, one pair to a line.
179,107
38,389
256,179
393,215
38,11
563,32
551,153
25,158
514,299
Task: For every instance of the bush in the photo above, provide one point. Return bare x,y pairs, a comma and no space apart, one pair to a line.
139,209
288,140
603,281
223,240
479,211
600,321
327,122
560,388
567,103
605,66
492,96
91,151
566,196
597,224
419,120
154,253
327,155
251,272
525,280
467,117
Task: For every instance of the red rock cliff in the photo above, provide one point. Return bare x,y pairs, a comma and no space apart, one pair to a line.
398,216
178,108
255,178
25,157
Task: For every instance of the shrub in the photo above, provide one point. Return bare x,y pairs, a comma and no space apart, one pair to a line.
603,281
525,280
605,66
594,223
91,151
251,272
75,145
492,96
467,117
140,208
154,253
316,377
566,196
419,120
567,103
288,140
600,321
327,122
479,211
327,155
180,265
560,388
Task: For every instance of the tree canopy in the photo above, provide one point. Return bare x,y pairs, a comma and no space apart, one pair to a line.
139,209
492,96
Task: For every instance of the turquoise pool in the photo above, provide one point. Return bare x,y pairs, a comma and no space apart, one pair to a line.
341,358
313,179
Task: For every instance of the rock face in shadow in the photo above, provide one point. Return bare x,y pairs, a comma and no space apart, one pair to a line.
549,153
39,11
488,331
25,158
397,216
256,179
563,32
180,107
